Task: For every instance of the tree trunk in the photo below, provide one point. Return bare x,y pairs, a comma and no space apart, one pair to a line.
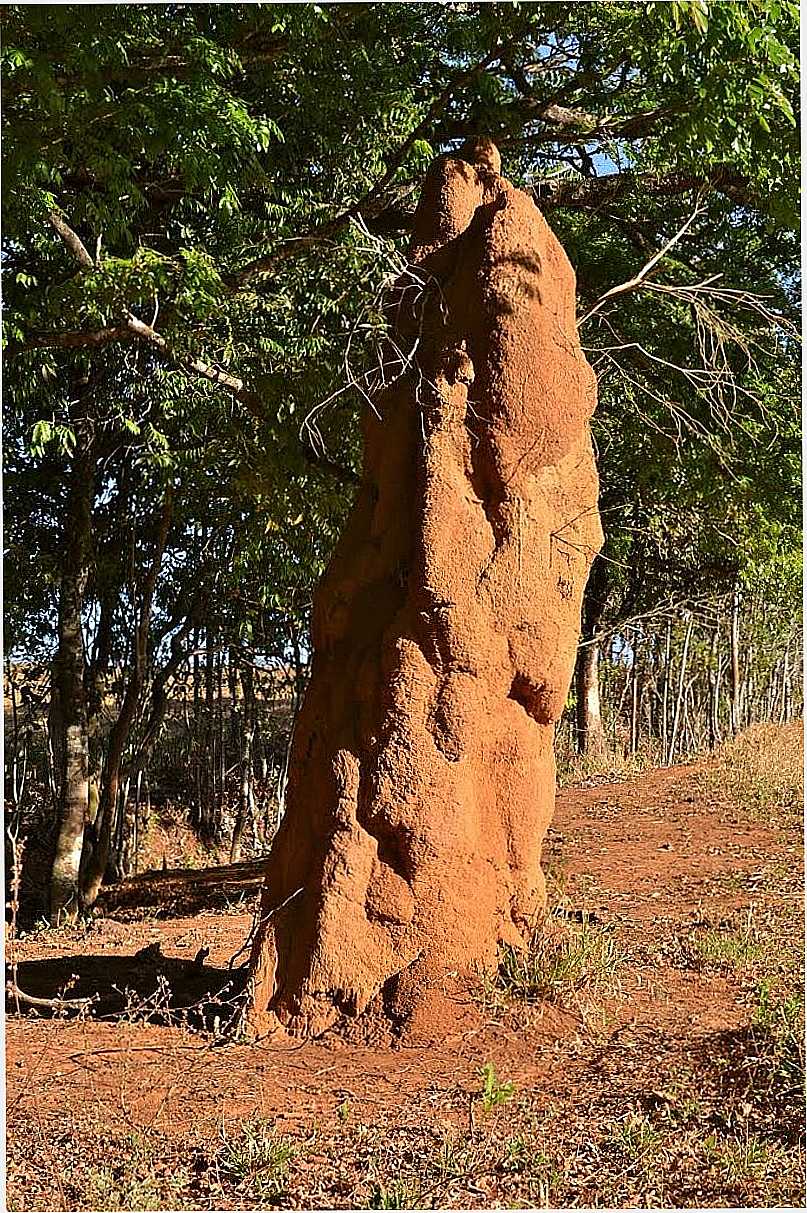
444,632
665,690
245,805
208,764
736,680
221,766
68,710
590,729
196,806
635,699
746,688
96,862
714,689
783,709
680,693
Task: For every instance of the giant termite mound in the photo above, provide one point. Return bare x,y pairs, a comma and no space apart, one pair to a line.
422,772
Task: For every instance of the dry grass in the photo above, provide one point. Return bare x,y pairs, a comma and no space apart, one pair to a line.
761,773
254,1159
603,766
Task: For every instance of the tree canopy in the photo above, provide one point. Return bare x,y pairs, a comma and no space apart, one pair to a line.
204,205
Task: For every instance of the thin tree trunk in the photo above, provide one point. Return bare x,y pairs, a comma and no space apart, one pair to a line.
245,804
690,738
590,727
736,685
222,745
68,709
785,672
97,860
17,781
746,687
590,730
714,689
208,755
196,816
665,690
635,698
159,689
136,820
679,693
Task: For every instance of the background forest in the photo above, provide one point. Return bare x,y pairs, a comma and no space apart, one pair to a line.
203,207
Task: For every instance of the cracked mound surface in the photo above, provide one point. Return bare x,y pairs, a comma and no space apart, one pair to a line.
445,627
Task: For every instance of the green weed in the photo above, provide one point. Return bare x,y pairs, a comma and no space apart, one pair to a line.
561,959
136,1181
728,948
494,1092
255,1158
744,1158
398,1194
777,1040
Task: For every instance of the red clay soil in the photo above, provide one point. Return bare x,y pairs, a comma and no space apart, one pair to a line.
651,860
444,630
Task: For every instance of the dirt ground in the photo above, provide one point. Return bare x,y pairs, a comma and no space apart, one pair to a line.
650,1054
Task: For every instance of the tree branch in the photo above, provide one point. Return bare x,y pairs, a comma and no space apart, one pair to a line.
172,65
593,193
133,327
637,280
71,239
72,339
367,206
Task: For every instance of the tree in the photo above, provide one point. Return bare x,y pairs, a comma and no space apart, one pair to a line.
208,201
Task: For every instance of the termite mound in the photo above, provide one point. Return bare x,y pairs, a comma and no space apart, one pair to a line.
422,774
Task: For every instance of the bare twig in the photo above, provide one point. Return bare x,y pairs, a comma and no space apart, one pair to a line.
638,279
51,1004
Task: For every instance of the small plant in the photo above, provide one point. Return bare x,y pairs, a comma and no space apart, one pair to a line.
521,1156
728,948
134,1183
561,959
636,1137
777,1038
680,1103
398,1194
494,1092
344,1110
255,1159
743,1158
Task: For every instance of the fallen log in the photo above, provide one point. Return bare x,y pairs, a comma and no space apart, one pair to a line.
186,888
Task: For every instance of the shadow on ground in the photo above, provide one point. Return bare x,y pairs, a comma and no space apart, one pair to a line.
146,987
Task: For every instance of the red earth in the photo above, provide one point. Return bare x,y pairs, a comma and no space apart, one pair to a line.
660,865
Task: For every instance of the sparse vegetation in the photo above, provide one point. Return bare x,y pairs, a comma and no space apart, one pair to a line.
656,1108
774,1060
608,765
494,1090
255,1159
729,946
761,773
397,1194
563,958
137,1180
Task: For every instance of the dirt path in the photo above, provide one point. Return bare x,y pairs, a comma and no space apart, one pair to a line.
636,1085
